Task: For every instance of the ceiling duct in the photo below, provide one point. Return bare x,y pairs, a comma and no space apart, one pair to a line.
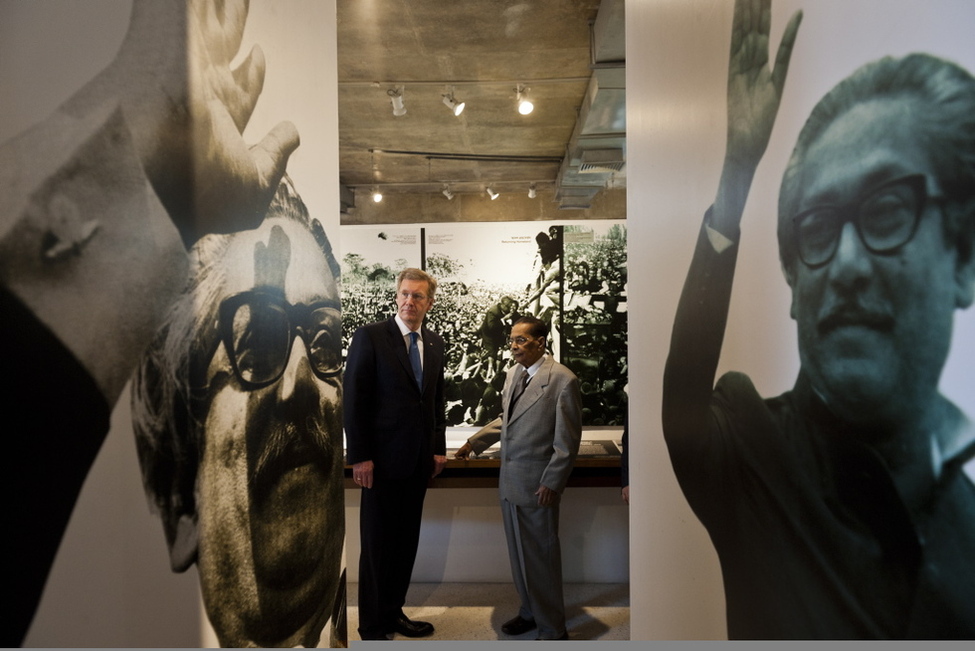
608,44
347,199
575,203
595,155
601,161
575,196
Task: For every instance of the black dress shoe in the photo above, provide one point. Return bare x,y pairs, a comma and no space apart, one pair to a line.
410,628
517,626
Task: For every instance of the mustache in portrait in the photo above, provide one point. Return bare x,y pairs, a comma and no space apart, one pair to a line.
282,436
855,312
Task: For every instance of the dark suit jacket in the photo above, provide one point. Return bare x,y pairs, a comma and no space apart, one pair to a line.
387,418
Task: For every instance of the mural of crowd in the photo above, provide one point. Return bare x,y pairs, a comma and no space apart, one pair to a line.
576,282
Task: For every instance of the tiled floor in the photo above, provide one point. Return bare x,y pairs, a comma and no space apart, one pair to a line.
475,611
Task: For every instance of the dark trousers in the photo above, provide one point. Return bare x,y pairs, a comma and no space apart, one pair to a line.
389,529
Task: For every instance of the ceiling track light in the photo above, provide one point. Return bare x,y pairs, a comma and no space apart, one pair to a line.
531,191
491,193
447,193
377,196
524,103
450,102
396,97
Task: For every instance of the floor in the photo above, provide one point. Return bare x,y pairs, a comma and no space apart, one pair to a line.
475,611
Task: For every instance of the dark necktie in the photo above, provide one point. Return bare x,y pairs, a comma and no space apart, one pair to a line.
415,359
518,390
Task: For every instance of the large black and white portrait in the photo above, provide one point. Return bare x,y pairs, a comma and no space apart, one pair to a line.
843,508
237,411
161,165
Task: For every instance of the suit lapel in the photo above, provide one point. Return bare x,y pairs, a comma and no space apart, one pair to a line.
431,358
509,387
534,390
399,349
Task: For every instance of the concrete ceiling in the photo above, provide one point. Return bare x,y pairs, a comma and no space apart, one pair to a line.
568,53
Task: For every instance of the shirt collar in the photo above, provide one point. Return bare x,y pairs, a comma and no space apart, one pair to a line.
405,329
537,365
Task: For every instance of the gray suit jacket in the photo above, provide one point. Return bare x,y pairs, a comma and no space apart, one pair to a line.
540,441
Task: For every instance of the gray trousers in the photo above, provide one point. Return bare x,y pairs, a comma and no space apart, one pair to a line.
536,565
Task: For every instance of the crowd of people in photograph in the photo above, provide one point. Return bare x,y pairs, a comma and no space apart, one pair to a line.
584,305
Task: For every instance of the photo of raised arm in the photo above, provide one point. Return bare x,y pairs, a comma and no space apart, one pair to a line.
99,202
843,508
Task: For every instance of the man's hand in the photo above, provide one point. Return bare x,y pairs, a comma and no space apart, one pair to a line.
362,473
187,110
439,462
546,496
754,93
464,451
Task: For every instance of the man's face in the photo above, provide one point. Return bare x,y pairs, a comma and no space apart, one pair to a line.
874,328
525,349
413,301
269,488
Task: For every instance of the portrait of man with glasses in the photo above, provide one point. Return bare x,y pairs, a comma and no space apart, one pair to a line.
845,507
238,422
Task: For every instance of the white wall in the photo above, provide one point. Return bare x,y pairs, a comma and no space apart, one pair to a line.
677,53
462,537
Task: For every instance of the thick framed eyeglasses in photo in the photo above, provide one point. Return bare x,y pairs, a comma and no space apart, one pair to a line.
258,328
885,217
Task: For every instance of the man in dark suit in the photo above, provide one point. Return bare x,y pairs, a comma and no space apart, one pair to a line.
540,432
395,423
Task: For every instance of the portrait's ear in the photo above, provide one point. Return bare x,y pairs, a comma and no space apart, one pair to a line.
965,269
183,549
965,283
790,278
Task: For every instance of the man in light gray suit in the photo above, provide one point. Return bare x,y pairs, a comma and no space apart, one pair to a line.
539,432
